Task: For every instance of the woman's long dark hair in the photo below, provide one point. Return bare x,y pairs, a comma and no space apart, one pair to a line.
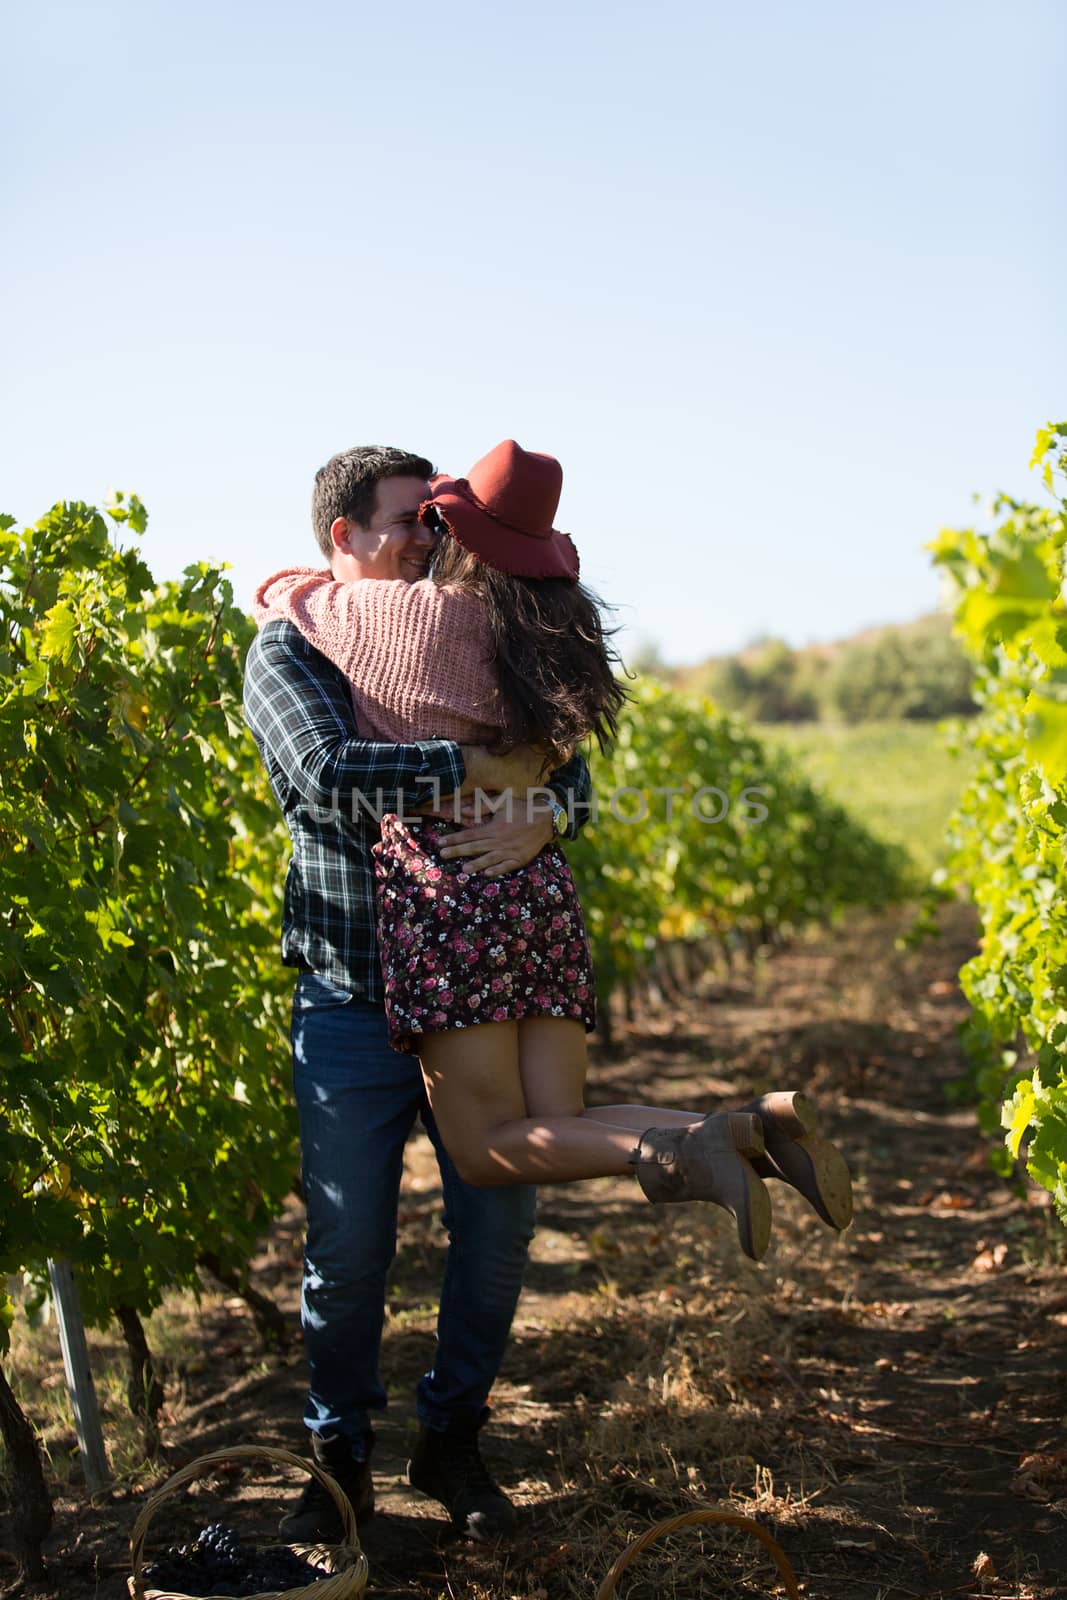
551,654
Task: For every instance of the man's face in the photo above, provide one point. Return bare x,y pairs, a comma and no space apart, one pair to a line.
394,544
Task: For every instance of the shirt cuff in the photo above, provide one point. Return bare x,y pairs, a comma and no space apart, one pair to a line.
576,804
443,767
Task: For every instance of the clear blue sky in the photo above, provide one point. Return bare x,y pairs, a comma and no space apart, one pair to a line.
781,285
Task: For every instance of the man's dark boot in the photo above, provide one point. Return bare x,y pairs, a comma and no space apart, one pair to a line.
315,1518
448,1467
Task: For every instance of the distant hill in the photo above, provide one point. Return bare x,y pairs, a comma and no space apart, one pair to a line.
910,669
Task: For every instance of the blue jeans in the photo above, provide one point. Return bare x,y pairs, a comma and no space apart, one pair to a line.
358,1100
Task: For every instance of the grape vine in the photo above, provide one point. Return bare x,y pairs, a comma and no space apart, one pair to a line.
1009,837
144,1062
731,838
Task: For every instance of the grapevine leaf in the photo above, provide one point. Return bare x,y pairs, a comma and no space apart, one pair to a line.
1018,1114
59,632
136,515
1047,638
34,678
986,618
1047,1158
1042,444
1046,736
1025,577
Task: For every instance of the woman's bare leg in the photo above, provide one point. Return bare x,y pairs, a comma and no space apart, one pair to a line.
631,1117
507,1098
553,1063
553,1079
478,1095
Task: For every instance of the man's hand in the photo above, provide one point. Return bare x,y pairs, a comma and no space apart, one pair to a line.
498,845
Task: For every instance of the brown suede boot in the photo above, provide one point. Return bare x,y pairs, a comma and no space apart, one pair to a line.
710,1160
798,1155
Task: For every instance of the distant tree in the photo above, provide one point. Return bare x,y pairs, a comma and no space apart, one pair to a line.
648,662
811,680
763,684
728,683
918,672
912,670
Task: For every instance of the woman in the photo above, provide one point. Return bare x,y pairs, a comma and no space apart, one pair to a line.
489,979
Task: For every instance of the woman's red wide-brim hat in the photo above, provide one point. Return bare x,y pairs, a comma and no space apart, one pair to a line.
503,511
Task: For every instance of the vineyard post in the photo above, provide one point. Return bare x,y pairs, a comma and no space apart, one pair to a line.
79,1374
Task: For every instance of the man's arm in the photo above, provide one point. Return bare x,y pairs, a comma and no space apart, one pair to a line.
572,784
300,712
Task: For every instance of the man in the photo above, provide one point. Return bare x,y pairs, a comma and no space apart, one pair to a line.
358,1098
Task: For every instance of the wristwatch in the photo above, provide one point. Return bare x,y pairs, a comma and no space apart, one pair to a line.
559,819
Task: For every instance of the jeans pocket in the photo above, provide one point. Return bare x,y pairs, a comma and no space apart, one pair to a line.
319,994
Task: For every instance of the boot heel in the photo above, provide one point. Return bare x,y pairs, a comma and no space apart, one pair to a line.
745,1196
799,1155
747,1133
791,1113
732,1130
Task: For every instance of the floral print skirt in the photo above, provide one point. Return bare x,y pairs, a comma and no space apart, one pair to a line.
458,948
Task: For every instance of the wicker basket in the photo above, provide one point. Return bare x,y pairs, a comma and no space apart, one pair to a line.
733,1520
345,1562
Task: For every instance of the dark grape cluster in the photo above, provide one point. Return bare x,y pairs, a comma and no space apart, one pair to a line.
219,1564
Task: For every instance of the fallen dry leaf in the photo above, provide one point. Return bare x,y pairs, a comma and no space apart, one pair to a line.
983,1566
990,1260
953,1201
1041,1475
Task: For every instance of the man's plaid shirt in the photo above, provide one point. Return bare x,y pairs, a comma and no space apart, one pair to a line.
327,781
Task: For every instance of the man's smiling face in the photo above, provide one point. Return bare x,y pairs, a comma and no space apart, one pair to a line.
394,544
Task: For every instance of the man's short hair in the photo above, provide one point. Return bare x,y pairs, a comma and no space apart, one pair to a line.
346,486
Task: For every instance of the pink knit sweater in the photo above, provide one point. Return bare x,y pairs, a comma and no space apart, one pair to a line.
415,654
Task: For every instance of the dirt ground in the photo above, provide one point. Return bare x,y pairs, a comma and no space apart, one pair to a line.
889,1404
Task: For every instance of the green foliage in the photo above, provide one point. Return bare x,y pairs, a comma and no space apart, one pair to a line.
918,672
771,683
1009,838
748,844
143,1063
902,779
